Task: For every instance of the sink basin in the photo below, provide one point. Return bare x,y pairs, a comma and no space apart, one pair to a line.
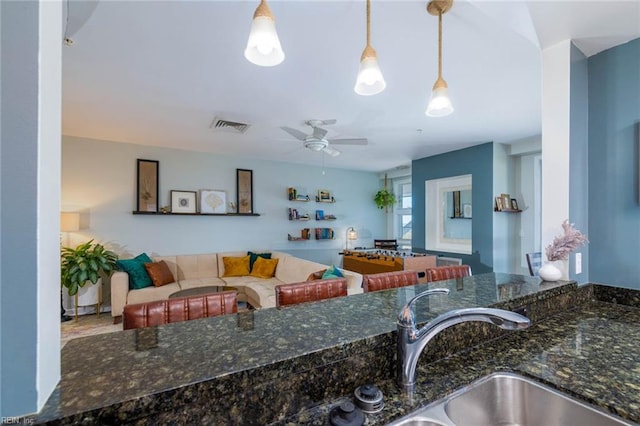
509,399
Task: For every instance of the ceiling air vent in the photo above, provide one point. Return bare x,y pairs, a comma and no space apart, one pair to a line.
220,125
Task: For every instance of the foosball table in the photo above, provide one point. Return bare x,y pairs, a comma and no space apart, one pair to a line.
374,261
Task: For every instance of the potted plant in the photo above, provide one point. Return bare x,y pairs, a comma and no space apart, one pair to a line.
83,265
384,198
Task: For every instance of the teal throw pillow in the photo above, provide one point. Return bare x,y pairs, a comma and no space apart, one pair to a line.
253,256
138,276
332,272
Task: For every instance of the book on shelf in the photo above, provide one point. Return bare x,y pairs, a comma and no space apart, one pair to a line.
324,233
319,214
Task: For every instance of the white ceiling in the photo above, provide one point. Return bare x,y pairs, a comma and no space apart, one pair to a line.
158,72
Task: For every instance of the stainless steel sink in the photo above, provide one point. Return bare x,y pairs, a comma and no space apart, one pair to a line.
509,399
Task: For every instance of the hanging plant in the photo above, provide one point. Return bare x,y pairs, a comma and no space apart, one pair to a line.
384,198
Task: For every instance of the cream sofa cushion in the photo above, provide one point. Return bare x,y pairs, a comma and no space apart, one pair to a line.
201,282
151,294
197,266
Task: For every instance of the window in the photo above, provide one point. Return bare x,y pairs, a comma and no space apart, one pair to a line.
403,219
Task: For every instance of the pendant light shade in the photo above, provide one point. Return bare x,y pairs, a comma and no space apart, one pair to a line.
370,80
263,47
439,104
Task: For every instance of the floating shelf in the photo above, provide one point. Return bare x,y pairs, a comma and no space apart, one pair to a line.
194,214
507,211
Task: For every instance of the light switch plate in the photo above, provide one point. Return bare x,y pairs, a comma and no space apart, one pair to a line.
578,263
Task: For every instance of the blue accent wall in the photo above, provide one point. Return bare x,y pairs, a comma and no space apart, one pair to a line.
614,210
478,162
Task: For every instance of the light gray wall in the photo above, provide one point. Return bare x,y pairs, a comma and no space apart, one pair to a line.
98,178
579,158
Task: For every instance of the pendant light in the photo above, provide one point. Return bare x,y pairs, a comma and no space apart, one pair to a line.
263,47
440,104
370,80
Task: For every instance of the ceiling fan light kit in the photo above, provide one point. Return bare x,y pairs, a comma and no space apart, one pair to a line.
439,104
317,140
370,80
263,46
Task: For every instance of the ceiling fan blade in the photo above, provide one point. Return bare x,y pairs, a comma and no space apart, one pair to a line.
295,133
347,141
329,122
332,152
319,133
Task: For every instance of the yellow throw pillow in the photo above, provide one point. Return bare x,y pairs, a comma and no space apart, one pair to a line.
264,268
236,266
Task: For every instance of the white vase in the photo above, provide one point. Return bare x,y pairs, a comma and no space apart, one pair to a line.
550,272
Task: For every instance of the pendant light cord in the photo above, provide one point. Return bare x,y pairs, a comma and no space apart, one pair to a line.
440,45
368,22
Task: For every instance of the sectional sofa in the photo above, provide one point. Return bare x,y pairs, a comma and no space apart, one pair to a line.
198,270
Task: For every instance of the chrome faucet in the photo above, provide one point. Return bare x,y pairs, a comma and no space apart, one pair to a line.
411,341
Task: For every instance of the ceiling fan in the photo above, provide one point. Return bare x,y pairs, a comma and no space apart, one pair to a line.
317,141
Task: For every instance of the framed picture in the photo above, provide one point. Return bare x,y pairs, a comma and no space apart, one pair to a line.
183,201
506,201
514,204
325,195
499,206
147,185
466,210
456,204
244,190
213,201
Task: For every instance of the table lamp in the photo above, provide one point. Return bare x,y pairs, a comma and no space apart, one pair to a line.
351,235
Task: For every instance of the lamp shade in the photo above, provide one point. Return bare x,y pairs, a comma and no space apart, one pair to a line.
69,221
370,80
263,46
352,234
440,104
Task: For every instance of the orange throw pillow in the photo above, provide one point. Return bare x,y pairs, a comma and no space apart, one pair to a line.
264,268
236,266
159,273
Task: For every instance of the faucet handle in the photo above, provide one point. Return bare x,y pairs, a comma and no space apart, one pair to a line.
406,316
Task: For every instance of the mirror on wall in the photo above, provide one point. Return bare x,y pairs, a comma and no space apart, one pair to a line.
448,214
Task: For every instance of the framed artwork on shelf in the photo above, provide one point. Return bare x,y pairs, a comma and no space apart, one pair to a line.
183,201
147,185
244,190
213,201
514,204
324,196
506,201
499,206
466,210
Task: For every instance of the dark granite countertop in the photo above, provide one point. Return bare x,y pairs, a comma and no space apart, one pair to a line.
590,353
134,374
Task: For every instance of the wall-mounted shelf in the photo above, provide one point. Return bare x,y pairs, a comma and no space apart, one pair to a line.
468,218
507,211
194,214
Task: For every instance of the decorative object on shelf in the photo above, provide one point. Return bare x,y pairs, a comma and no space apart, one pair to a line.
263,46
514,204
499,206
352,235
370,80
440,104
384,198
319,214
467,211
324,234
82,266
456,204
183,201
295,196
324,196
147,185
294,214
560,250
213,201
244,190
504,203
305,234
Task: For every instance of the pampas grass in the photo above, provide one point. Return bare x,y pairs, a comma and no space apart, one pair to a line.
564,244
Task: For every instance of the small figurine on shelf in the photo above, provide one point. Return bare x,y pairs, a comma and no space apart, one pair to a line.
164,209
